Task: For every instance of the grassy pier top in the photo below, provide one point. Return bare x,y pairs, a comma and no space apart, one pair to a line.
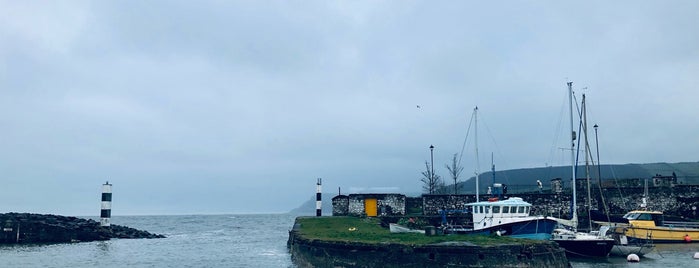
369,230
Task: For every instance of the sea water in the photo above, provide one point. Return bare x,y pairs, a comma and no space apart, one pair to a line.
664,255
192,241
233,241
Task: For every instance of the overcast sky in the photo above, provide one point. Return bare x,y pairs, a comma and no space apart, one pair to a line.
238,106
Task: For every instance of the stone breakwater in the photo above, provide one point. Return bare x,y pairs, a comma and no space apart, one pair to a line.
46,228
307,252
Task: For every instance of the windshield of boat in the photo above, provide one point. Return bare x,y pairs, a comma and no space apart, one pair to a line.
638,216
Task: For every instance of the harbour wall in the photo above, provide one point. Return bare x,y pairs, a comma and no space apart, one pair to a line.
681,201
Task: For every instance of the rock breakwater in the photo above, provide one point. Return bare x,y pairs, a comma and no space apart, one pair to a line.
47,228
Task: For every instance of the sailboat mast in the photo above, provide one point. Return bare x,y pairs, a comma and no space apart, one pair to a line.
475,113
587,161
572,153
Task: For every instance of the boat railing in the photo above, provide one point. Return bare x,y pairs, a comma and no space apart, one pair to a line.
681,224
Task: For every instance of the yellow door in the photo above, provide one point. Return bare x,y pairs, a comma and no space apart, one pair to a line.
370,207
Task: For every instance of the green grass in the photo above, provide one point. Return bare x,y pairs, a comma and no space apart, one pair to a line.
368,230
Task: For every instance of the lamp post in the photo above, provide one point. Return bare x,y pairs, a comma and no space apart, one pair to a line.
432,168
599,168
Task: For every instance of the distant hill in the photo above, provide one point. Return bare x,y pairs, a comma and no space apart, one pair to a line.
687,173
308,208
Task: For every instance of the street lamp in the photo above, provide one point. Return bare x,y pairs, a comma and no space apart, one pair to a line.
599,168
432,167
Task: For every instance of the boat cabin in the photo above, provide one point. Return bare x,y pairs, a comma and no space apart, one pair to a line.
646,218
495,212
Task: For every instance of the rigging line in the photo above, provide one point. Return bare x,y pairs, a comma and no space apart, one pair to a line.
599,175
497,148
618,188
599,186
463,146
557,133
577,155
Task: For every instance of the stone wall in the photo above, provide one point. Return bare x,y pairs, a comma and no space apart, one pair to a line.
677,200
680,201
341,205
432,204
413,205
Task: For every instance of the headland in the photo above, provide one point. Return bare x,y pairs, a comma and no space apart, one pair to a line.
362,242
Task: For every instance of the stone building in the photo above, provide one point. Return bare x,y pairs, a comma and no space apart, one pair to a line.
371,205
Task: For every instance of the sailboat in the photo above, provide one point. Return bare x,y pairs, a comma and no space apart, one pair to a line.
578,243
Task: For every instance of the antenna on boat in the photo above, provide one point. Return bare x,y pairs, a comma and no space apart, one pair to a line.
644,200
492,166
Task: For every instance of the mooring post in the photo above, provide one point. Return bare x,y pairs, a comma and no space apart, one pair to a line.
318,198
106,212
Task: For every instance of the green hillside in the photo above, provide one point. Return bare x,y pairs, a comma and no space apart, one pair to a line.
525,179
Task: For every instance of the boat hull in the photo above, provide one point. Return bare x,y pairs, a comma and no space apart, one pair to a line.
586,248
540,229
625,250
662,234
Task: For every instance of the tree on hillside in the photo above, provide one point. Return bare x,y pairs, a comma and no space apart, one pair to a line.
431,182
455,171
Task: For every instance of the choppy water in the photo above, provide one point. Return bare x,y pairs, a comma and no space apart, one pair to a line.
232,241
192,241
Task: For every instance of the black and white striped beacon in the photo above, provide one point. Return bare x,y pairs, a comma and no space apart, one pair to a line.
318,199
106,212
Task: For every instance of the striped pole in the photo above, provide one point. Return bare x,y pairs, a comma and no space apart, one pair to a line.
106,212
318,199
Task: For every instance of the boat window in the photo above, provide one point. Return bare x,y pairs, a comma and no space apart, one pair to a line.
505,209
496,209
631,216
487,209
481,209
644,216
520,210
